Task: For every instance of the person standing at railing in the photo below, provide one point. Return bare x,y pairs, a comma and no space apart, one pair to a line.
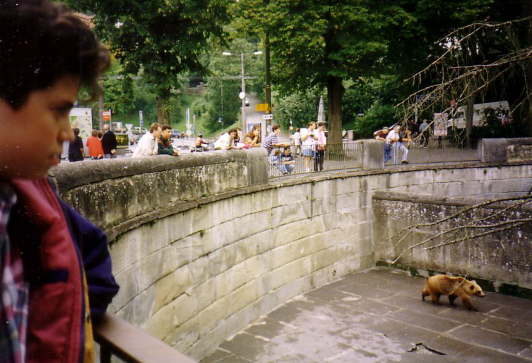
165,142
94,144
148,144
252,138
226,140
397,138
296,141
321,145
381,136
424,132
55,268
308,144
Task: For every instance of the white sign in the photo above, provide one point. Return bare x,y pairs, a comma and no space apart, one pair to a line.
440,124
479,117
268,116
81,117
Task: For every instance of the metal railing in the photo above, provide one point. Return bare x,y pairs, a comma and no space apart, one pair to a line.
302,159
130,344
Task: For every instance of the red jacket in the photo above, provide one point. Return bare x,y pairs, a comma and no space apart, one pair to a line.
50,236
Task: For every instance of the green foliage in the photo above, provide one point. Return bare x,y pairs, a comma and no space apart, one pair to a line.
158,38
377,116
368,103
301,107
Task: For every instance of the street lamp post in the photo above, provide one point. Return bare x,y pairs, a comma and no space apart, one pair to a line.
242,94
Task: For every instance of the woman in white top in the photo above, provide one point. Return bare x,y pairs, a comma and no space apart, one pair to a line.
308,141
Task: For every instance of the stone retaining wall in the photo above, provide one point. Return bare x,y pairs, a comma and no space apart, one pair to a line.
504,258
202,250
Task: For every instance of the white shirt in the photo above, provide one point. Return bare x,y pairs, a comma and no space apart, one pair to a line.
147,146
297,138
223,142
309,141
392,136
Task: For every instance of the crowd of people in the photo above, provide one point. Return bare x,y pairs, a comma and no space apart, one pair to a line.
103,145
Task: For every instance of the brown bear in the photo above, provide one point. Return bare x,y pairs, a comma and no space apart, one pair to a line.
454,287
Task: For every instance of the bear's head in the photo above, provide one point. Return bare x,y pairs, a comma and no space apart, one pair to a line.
472,288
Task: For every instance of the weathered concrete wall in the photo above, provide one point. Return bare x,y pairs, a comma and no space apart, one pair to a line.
202,250
120,194
504,257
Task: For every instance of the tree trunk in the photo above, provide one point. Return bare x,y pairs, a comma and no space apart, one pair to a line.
527,11
335,92
163,116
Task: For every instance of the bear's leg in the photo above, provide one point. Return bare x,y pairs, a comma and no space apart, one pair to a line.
424,293
435,298
467,302
451,299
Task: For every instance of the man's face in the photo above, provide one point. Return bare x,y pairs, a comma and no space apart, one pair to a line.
166,134
277,131
31,138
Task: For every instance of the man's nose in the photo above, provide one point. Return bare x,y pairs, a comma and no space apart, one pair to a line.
66,133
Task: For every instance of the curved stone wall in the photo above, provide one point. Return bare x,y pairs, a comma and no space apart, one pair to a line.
201,250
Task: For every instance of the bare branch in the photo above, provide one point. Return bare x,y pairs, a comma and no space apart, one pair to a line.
491,231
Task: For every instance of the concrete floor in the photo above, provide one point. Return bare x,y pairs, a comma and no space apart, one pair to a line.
378,316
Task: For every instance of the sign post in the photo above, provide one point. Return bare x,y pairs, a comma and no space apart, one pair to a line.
106,115
141,119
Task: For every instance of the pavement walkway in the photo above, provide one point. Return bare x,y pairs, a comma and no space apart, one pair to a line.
378,316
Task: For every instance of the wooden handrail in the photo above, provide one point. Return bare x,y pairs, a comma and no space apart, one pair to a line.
127,342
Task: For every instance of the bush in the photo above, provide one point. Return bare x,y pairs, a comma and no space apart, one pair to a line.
376,117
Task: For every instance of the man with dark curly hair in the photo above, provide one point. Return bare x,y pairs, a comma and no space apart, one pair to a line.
55,268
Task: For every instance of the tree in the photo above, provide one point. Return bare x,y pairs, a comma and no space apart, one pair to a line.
299,107
324,43
158,38
478,60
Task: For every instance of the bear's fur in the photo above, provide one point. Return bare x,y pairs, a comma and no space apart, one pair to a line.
438,285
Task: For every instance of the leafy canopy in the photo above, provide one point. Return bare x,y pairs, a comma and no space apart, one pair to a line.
162,38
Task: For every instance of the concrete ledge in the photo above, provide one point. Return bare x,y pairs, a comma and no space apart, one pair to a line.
492,150
373,154
71,175
519,153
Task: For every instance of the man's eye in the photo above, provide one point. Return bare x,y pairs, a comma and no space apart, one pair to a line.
62,111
